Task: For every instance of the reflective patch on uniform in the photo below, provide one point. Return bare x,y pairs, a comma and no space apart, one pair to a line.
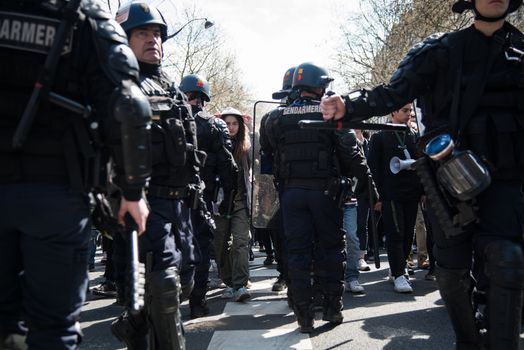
30,33
302,109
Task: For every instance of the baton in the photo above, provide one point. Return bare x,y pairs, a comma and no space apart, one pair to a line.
374,232
344,124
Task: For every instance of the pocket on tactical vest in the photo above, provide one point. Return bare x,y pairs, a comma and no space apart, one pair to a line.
175,142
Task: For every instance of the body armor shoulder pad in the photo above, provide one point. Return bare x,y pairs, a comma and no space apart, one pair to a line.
93,9
204,115
116,58
219,125
425,45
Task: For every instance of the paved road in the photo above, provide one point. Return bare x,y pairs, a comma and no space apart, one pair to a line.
379,319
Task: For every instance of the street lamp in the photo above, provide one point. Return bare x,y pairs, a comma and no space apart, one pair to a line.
207,24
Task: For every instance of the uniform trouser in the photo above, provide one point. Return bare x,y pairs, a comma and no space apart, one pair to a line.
168,237
501,222
204,237
234,270
399,226
44,234
313,225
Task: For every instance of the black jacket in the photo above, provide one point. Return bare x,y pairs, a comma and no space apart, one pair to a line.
403,185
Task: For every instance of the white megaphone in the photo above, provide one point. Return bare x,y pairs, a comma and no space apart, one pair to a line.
396,164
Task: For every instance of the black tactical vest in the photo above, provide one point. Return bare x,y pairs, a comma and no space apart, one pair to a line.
58,146
304,156
173,131
495,130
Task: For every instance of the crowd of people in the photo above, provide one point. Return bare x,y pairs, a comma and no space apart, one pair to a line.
110,146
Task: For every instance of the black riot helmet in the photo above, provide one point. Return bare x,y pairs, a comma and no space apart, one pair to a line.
287,81
138,14
196,83
308,76
463,5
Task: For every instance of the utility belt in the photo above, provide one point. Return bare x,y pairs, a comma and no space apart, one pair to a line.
337,188
452,180
167,192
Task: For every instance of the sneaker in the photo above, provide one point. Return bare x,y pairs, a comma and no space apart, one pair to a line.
363,265
228,293
106,289
279,285
241,294
249,284
354,287
402,285
269,260
406,275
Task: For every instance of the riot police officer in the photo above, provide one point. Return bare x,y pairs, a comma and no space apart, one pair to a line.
469,85
220,170
174,183
313,166
90,108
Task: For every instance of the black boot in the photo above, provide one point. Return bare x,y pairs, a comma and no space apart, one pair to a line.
455,289
164,312
305,317
332,309
505,268
198,306
132,330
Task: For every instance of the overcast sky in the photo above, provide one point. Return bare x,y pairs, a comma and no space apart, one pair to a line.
270,36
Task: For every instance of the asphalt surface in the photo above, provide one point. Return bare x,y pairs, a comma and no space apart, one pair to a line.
378,319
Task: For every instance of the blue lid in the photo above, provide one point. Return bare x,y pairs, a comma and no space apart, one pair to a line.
438,144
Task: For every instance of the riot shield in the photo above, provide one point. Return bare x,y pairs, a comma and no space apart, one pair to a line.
264,203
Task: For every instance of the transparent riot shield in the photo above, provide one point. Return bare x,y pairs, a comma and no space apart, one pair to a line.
265,201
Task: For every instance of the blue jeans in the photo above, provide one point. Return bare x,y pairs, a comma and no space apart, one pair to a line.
352,243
